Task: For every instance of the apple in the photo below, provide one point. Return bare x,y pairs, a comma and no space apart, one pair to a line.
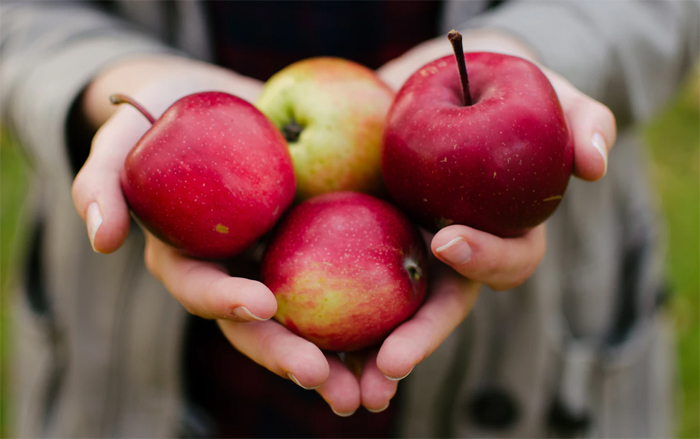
491,151
210,177
346,269
332,113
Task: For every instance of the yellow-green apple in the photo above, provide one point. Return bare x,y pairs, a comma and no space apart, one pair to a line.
331,111
346,268
491,151
210,177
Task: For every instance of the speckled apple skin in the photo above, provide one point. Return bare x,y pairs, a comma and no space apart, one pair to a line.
337,266
210,177
342,106
501,165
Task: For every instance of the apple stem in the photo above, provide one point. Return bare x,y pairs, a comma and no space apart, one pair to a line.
119,98
456,41
291,131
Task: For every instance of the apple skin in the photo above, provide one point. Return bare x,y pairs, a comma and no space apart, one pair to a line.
341,106
500,165
346,269
210,177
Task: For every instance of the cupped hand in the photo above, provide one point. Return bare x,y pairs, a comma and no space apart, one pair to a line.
206,289
211,290
592,127
479,257
494,261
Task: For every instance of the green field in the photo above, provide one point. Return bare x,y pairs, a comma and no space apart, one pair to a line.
674,138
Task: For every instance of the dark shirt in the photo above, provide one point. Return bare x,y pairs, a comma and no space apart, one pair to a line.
228,395
258,39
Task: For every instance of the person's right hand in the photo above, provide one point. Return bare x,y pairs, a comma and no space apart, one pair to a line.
206,289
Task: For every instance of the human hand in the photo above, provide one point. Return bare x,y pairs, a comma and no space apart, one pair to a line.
213,290
593,130
370,378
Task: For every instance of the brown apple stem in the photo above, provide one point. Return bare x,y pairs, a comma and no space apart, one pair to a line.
291,131
119,98
456,41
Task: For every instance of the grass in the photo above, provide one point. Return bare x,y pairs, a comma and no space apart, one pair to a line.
14,178
674,138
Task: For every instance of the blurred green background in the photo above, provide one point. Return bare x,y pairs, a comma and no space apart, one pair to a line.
674,139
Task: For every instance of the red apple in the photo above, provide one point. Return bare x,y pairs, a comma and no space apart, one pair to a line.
210,177
332,113
500,163
346,269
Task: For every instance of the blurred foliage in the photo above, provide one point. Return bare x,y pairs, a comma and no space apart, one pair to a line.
14,180
674,138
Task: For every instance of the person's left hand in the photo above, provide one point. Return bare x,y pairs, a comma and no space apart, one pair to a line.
591,123
498,263
477,256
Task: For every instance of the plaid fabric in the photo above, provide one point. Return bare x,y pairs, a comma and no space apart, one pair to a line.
233,396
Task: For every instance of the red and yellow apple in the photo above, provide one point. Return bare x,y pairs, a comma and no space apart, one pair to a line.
346,269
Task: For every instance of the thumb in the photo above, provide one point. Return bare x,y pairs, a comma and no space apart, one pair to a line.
97,193
500,263
592,127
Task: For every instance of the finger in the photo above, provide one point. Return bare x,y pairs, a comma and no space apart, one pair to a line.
592,125
451,299
375,388
97,192
341,390
274,347
205,289
500,263
593,129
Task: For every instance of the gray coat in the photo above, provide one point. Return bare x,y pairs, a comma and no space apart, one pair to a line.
580,345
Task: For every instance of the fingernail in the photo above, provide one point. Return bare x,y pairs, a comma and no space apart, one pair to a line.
94,221
399,378
456,251
379,410
342,415
598,143
242,313
296,381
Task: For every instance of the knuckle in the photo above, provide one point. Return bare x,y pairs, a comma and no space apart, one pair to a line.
216,301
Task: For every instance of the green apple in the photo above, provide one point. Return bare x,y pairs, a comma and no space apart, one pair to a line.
332,112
